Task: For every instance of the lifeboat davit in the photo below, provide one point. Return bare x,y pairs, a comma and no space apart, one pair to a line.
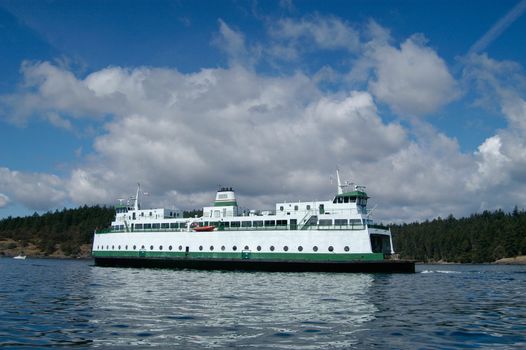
204,228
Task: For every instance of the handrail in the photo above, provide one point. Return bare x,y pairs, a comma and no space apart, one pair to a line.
349,227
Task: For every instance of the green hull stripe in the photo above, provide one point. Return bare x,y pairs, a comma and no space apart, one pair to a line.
241,255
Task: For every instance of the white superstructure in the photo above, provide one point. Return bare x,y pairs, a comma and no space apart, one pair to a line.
337,229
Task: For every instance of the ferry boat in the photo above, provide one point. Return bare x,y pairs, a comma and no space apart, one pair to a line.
336,235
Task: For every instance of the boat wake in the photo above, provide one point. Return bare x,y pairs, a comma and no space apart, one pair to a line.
440,271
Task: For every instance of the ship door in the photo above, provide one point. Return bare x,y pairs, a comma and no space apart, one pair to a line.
133,215
186,251
293,224
322,209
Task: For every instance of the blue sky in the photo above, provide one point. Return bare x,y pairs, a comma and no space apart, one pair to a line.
423,102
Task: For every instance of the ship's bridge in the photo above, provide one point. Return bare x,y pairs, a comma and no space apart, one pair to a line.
359,197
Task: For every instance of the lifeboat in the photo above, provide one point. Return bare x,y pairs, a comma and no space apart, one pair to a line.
204,228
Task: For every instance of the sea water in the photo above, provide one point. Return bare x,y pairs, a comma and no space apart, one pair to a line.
69,303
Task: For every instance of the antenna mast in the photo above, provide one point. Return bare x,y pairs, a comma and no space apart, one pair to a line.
137,205
340,186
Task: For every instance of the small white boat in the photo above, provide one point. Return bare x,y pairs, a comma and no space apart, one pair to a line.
20,257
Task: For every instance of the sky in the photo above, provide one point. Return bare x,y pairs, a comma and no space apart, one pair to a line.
422,102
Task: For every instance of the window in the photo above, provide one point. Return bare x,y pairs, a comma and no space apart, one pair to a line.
180,247
281,208
246,247
165,225
138,226
346,199
259,248
340,222
285,248
134,247
234,248
246,224
346,248
147,226
340,199
257,223
325,222
170,247
296,208
126,247
331,248
308,207
235,224
150,213
269,223
160,247
300,249
281,222
355,222
271,248
119,247
200,247
174,225
112,247
222,247
151,247
211,247
142,247
315,248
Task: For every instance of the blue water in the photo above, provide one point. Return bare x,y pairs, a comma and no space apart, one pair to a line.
67,303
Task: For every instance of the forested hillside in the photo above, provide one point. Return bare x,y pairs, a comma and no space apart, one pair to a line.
66,230
484,237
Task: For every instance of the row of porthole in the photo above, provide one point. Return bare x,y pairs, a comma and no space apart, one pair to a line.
234,248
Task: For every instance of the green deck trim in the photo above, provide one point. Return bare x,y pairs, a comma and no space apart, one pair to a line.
225,204
241,255
359,194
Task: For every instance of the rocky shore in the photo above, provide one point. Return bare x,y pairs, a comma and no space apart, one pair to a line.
10,248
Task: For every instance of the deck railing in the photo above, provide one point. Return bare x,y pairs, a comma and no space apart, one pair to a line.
350,227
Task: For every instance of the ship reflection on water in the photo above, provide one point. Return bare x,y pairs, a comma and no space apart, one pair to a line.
224,309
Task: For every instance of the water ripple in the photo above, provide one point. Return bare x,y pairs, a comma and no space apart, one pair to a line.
72,303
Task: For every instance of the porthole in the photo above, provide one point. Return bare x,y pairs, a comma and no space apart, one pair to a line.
170,247
107,247
98,247
331,248
246,247
285,248
151,247
101,248
234,248
211,247
315,248
259,248
142,247
271,248
346,248
222,247
300,248
180,247
112,247
119,247
134,247
160,247
200,247
126,247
